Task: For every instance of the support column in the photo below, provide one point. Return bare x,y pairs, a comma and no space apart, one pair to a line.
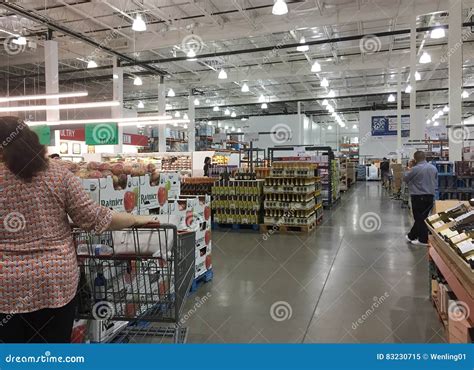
191,124
310,130
300,125
162,112
399,116
117,90
455,80
51,77
417,129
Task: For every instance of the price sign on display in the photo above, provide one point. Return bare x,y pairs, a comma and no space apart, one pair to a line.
102,134
44,134
251,136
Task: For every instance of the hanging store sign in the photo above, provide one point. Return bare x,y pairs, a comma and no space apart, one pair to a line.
134,139
387,125
43,133
102,134
76,134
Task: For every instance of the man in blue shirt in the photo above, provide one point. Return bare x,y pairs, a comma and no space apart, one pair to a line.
421,179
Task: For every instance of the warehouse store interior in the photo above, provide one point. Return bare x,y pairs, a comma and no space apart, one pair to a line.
265,171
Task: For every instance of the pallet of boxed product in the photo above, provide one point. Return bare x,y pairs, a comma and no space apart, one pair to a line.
309,205
289,189
287,228
235,227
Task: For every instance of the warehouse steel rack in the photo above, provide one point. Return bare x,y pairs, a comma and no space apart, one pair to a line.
137,275
318,150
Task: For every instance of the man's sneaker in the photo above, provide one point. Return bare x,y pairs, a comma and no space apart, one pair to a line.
408,239
417,242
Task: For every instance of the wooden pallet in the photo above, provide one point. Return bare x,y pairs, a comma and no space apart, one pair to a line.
287,229
234,227
204,278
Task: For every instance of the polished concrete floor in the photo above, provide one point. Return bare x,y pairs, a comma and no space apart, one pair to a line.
354,279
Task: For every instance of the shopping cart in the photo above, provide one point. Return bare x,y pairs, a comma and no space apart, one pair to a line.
132,278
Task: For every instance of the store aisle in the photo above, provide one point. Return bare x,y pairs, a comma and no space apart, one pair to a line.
352,280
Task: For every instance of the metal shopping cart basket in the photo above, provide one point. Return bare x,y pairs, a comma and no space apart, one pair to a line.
132,278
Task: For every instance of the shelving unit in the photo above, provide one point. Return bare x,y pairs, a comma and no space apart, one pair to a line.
293,199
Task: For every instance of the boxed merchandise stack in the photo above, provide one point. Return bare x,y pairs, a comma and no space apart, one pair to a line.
343,177
396,170
293,199
351,173
335,184
197,185
194,214
237,202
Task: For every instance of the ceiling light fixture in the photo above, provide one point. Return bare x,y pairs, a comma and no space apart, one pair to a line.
227,112
435,123
302,47
261,99
232,129
185,116
280,7
139,24
408,89
137,81
417,76
264,106
209,123
91,64
324,82
437,33
215,108
428,121
31,108
191,55
329,127
446,109
171,93
177,114
244,119
316,67
325,102
185,126
245,88
222,74
196,101
425,58
140,104
354,127
391,98
465,94
73,94
233,115
331,94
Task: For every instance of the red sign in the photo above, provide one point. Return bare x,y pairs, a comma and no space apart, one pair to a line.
133,139
77,134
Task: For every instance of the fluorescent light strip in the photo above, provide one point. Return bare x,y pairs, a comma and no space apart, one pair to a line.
73,94
167,122
100,120
60,106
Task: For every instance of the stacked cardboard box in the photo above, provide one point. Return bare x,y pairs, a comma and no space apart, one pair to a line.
396,170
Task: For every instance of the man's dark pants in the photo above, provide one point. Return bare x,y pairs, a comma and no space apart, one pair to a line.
421,206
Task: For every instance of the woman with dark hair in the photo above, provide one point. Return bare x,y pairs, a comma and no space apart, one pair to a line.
38,266
207,166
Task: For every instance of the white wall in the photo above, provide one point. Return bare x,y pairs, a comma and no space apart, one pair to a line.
380,146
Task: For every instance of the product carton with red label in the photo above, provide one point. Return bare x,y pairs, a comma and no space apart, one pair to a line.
125,200
152,197
172,183
92,187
